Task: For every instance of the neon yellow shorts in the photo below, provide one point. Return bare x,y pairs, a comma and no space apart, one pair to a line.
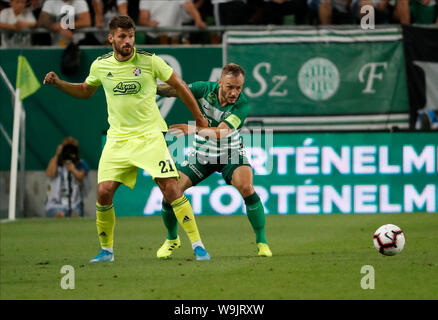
120,160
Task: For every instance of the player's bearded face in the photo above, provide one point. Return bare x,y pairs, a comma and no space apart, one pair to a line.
123,41
230,87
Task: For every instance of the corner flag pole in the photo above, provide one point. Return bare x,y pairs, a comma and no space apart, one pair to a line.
14,156
27,84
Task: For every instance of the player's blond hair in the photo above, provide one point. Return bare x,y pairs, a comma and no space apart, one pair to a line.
233,69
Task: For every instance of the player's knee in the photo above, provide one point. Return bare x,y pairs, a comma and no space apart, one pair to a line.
246,190
104,195
171,191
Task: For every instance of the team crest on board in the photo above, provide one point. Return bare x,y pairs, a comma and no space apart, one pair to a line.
137,72
319,79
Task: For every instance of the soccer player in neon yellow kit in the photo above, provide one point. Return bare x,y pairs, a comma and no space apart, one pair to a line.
135,138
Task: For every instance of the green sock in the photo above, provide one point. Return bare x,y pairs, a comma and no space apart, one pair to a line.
256,216
170,221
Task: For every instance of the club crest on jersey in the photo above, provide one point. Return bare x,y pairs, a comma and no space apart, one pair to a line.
211,98
137,72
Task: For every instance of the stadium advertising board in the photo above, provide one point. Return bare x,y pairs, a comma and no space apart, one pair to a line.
323,73
313,173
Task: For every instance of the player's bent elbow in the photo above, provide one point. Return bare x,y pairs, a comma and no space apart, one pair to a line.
87,91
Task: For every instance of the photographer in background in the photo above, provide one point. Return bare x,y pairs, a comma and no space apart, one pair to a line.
68,181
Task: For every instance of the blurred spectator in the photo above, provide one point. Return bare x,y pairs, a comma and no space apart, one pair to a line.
274,11
200,6
4,4
205,11
416,11
168,13
16,18
104,11
383,10
36,6
68,181
39,39
54,17
332,11
230,12
122,6
423,11
134,10
427,120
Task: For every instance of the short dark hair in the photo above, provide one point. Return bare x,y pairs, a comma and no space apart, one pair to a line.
233,69
123,22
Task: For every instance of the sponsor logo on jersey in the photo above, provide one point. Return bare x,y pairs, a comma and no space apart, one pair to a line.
127,87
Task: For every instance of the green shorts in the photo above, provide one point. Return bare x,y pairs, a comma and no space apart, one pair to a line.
198,168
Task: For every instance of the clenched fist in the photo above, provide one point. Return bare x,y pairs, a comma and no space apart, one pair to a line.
51,78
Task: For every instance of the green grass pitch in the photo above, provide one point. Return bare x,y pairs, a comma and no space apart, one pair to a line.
315,257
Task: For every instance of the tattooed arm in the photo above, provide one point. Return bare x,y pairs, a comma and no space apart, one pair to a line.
166,90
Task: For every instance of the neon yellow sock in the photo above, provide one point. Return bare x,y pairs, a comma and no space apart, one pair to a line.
105,222
184,214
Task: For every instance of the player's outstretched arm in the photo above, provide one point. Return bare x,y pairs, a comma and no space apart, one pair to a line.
78,90
184,93
219,132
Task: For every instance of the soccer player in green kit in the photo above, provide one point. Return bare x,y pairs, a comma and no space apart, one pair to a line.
135,138
217,149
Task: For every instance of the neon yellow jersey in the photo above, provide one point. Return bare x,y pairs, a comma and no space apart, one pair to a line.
130,89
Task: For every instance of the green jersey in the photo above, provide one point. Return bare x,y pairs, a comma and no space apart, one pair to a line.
234,115
130,89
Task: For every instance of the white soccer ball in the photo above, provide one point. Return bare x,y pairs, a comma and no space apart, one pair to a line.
389,240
